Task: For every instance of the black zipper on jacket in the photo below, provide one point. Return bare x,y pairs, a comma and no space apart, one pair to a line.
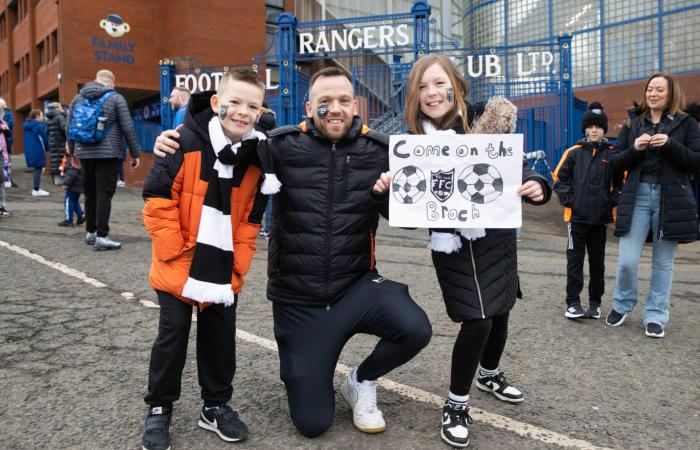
476,279
327,262
346,171
656,127
663,202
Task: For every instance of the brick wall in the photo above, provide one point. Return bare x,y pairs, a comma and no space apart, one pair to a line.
616,98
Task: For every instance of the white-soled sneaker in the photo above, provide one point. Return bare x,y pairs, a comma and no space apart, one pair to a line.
575,311
455,418
39,193
498,386
654,330
90,238
362,398
105,243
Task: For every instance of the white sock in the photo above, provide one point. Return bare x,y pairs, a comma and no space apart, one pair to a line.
458,399
487,372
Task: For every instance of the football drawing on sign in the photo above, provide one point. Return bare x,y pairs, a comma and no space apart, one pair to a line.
441,184
480,183
408,184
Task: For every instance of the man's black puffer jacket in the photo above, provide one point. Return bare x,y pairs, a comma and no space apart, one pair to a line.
679,158
324,218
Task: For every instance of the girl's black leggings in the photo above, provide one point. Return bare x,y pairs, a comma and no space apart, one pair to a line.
479,341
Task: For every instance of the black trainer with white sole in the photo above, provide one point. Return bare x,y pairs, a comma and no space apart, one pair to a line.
575,311
593,311
156,434
654,330
498,386
615,319
223,421
455,418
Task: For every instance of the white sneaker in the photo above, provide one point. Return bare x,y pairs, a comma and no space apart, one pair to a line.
362,398
105,243
90,238
39,193
121,183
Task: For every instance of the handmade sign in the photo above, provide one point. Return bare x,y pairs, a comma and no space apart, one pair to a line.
456,181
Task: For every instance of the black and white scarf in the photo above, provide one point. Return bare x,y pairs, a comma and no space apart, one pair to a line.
210,274
449,242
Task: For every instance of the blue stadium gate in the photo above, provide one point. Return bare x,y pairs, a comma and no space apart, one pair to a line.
379,51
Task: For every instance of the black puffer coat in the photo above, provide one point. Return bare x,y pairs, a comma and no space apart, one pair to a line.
586,184
481,279
324,218
679,158
56,124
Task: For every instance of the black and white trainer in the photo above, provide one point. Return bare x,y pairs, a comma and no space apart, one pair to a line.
654,330
156,434
593,311
455,418
615,319
223,421
575,311
498,386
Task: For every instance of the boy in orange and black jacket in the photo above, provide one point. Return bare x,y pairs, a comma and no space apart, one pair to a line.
203,212
588,188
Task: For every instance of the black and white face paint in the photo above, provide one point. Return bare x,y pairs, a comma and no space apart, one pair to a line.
322,110
450,95
223,112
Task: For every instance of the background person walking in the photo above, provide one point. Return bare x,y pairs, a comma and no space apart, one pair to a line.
99,149
36,142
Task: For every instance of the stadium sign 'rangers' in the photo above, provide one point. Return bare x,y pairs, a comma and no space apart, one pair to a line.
456,181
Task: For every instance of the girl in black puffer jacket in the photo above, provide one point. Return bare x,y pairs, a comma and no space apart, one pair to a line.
476,268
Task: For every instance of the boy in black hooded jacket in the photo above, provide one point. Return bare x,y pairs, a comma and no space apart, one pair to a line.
588,188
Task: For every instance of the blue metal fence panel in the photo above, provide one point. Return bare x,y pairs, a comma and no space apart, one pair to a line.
146,133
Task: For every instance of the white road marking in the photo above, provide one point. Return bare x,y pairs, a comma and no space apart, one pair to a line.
54,265
495,420
149,304
128,295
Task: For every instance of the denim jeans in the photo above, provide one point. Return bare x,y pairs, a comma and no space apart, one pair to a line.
647,212
267,217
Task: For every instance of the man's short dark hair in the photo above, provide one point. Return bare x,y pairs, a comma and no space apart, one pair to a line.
331,71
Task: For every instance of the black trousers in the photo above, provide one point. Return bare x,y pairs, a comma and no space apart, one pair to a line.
480,341
582,238
216,352
100,184
310,340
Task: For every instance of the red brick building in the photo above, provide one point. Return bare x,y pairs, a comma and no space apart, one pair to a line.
50,48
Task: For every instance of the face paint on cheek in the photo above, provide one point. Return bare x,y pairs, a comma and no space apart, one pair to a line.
322,111
450,95
223,112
